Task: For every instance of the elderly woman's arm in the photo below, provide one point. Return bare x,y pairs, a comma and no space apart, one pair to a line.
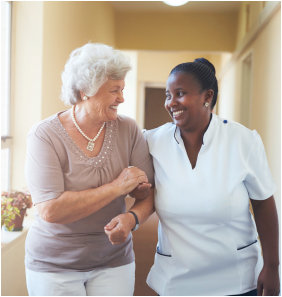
267,225
120,226
72,206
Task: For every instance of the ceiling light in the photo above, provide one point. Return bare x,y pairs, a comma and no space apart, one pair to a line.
175,2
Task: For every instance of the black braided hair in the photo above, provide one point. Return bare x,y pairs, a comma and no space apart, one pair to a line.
204,71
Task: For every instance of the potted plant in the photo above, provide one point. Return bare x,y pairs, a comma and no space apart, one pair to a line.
13,209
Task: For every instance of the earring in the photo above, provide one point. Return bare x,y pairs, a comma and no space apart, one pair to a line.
84,98
207,104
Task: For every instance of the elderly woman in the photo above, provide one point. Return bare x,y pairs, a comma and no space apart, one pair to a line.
81,163
207,170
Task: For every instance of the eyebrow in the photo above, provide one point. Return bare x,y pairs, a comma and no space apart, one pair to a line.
177,89
120,87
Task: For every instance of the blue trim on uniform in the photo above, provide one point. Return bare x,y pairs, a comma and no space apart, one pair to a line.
158,252
243,247
250,293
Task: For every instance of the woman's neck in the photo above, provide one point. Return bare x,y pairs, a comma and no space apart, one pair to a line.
85,117
194,137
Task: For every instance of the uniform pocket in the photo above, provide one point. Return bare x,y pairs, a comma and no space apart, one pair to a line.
243,247
249,264
161,253
163,246
161,273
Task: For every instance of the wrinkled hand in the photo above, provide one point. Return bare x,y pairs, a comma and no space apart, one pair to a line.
268,282
129,179
119,228
141,192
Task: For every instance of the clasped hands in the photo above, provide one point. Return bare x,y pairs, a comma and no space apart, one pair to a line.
132,181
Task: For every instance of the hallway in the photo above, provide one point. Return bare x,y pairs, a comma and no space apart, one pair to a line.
241,38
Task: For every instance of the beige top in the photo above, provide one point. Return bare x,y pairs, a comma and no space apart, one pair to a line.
56,164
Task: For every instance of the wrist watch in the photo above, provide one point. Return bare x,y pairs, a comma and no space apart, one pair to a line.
136,220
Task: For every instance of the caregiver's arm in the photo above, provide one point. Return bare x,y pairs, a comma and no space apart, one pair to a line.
267,225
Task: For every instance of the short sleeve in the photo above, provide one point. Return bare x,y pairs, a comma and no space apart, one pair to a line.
140,156
43,171
258,181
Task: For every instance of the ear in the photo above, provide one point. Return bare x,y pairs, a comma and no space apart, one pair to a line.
81,94
209,96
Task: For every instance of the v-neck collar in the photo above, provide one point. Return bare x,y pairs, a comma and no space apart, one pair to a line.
208,136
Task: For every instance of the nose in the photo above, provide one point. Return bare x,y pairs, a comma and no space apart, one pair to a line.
171,102
120,97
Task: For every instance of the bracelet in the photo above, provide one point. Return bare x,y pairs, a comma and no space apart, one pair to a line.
136,220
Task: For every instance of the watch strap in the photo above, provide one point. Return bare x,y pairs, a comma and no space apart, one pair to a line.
136,220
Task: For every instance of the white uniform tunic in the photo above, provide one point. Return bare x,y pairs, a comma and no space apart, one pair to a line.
207,237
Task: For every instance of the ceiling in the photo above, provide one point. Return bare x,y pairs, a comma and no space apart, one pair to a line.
192,6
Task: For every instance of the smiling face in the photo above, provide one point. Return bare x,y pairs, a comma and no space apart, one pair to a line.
105,102
185,101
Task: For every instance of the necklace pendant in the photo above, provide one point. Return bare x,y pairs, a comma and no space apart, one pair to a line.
90,146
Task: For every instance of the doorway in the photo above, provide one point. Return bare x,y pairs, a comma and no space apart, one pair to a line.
155,113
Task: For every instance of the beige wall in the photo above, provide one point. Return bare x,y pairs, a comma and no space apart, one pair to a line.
154,66
176,31
248,17
265,114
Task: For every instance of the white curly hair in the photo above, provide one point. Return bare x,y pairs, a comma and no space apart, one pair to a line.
88,67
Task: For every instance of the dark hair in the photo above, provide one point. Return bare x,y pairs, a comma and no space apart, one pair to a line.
204,71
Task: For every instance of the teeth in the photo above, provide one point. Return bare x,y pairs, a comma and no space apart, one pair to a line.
176,113
114,107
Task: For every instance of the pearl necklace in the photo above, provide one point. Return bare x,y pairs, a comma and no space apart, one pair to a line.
91,142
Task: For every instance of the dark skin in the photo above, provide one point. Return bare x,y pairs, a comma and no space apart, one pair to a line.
184,95
186,104
267,225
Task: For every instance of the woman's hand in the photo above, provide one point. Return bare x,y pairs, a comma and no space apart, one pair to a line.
129,179
141,192
268,282
119,228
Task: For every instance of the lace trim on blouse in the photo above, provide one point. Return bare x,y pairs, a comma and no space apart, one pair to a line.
106,150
